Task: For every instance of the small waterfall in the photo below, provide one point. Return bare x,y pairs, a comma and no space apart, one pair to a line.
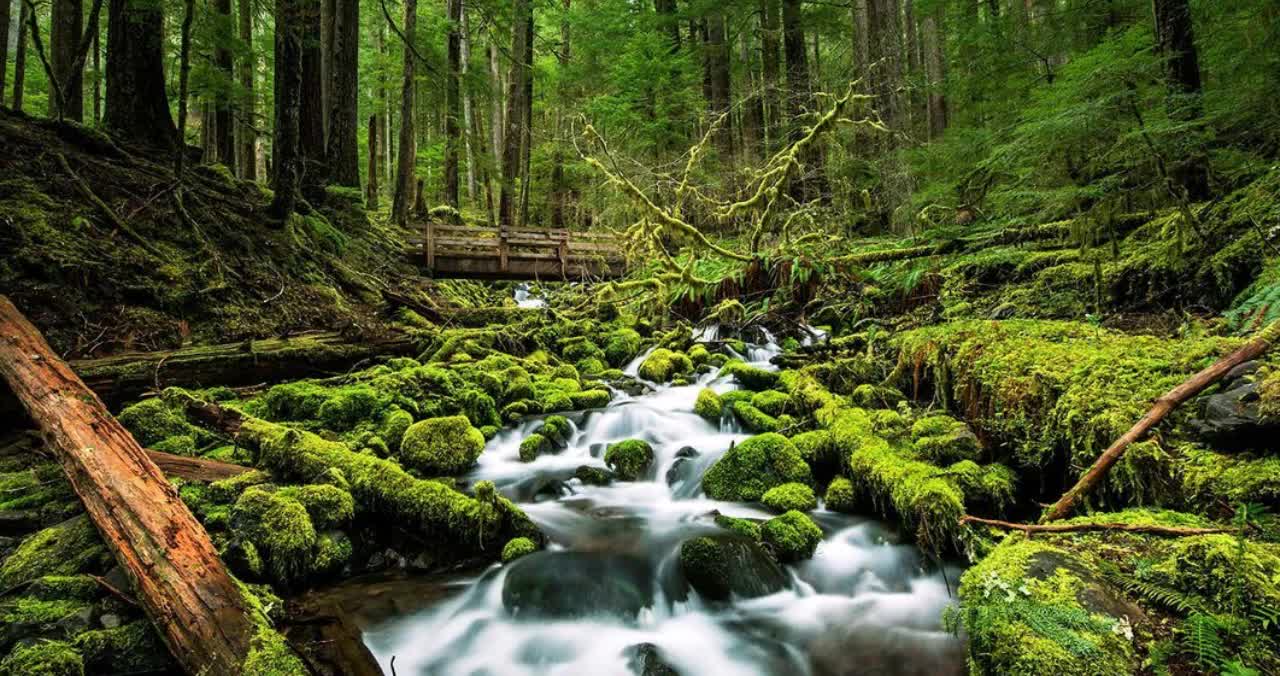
526,299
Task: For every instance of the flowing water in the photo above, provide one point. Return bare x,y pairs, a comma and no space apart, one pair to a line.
865,603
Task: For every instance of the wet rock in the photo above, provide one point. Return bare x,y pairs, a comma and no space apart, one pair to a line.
77,622
862,647
14,522
553,489
1097,596
681,470
109,621
687,452
727,565
593,476
1231,419
645,659
569,584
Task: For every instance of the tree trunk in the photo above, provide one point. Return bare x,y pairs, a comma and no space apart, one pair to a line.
6,22
1175,40
916,106
371,192
181,583
65,29
526,142
808,186
97,75
771,66
861,38
453,104
247,139
328,14
137,108
20,58
403,199
285,151
513,138
496,123
753,138
311,136
468,109
721,95
559,197
935,74
184,73
344,91
224,148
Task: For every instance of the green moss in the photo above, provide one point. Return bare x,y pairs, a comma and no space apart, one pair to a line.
809,397
68,548
751,468
840,496
709,405
131,648
516,548
593,476
65,588
588,399
868,395
227,490
43,658
1221,573
29,611
441,446
699,355
772,402
941,438
180,445
151,421
1210,479
590,367
281,528
817,449
332,552
663,365
629,459
789,497
754,419
348,406
394,424
328,506
750,377
792,536
744,527
533,446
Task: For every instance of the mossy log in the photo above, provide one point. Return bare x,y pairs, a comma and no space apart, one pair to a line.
173,466
1143,528
181,583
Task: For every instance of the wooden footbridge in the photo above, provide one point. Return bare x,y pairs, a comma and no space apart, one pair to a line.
463,252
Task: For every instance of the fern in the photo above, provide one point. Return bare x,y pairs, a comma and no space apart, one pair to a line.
1202,640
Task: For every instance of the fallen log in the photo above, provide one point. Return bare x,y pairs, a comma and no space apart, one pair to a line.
1254,348
197,608
176,466
1145,529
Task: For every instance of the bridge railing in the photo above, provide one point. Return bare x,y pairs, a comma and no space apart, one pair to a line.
553,251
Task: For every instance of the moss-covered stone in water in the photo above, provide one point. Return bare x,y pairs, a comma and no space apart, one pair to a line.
771,402
699,355
744,527
441,446
709,405
533,446
792,536
754,419
941,439
663,365
629,459
754,466
70,547
588,399
789,497
750,377
817,449
43,658
593,476
516,548
840,496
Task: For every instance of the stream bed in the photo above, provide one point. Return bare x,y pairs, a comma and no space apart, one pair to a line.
610,590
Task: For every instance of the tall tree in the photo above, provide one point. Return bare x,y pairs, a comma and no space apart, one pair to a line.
344,89
935,73
286,151
371,191
771,67
247,136
20,58
453,103
137,106
224,149
403,197
559,197
66,27
800,98
1175,39
515,130
717,56
753,135
311,133
468,108
6,22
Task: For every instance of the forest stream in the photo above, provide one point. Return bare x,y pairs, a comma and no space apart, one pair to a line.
608,596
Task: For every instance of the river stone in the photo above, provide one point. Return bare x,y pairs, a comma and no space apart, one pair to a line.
1231,419
645,659
864,647
1097,596
593,476
571,584
687,452
727,565
681,470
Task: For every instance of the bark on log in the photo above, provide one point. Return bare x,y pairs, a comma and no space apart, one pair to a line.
195,469
1145,529
1251,350
182,584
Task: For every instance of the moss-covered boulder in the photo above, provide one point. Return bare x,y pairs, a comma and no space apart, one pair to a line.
151,421
629,459
70,547
818,450
43,658
621,346
593,476
754,419
720,567
792,536
132,648
588,399
709,405
840,496
751,468
663,365
533,446
516,548
750,377
744,527
772,402
789,497
441,446
943,439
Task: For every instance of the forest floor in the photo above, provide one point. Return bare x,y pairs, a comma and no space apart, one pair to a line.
982,379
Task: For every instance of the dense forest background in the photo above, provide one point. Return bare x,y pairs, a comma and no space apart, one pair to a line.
979,109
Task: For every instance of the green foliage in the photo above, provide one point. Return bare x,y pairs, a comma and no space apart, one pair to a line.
43,658
441,446
751,468
516,548
792,536
709,405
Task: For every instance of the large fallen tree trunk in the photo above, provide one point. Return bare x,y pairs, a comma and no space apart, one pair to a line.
175,466
1256,347
197,608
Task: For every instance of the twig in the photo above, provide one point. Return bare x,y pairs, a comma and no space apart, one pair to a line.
106,210
114,591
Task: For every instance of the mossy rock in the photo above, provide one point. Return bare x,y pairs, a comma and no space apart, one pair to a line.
663,365
840,496
327,505
942,439
516,548
70,547
534,446
754,419
750,377
630,459
721,567
557,430
441,446
771,402
593,476
43,658
744,527
819,450
589,399
793,536
709,405
152,421
751,468
280,528
789,497
132,648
